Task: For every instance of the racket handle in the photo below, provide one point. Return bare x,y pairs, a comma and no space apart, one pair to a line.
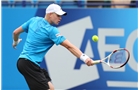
96,62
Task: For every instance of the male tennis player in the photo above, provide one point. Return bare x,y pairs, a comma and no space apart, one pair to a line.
41,36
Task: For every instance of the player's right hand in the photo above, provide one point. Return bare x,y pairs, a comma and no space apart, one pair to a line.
89,62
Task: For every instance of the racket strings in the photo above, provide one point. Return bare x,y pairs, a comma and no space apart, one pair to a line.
118,58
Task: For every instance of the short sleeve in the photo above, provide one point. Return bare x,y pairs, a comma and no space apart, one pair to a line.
25,25
56,37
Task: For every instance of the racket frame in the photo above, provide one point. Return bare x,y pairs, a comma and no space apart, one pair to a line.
108,57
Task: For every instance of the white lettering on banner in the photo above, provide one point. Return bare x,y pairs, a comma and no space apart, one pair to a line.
129,45
61,63
122,84
103,47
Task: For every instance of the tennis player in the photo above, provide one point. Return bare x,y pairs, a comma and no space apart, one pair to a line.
41,36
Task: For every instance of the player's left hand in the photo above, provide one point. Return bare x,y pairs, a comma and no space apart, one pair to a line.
15,43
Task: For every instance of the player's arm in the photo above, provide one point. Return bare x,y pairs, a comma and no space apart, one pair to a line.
77,52
16,34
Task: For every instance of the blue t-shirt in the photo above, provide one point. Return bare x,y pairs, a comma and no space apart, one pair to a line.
40,38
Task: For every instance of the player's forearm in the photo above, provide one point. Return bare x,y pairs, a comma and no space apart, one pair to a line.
15,36
75,51
16,33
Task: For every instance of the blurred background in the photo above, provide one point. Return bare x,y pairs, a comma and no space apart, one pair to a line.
72,3
114,21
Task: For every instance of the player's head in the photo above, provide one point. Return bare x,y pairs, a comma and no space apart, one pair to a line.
54,13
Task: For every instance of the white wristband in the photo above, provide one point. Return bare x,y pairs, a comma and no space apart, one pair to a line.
15,42
83,57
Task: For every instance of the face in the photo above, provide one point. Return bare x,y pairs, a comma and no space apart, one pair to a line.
55,18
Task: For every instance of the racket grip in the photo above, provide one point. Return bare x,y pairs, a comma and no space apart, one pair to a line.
96,62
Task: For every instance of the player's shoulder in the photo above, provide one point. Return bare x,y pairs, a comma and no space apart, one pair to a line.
37,18
49,27
54,29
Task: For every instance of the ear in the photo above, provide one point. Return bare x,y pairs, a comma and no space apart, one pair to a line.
50,14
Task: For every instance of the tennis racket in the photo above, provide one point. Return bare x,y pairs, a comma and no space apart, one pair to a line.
117,59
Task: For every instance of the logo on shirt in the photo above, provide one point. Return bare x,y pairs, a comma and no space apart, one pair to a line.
58,35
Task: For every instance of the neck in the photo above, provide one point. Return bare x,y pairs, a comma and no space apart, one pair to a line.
47,19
